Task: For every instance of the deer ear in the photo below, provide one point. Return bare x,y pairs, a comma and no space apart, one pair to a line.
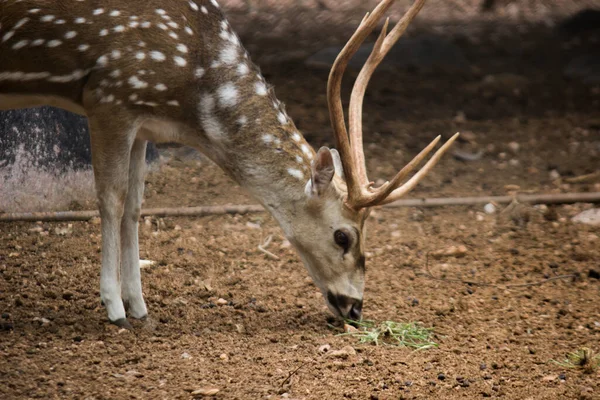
337,163
322,171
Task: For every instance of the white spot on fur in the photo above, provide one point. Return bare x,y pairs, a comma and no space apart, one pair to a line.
115,54
296,173
133,97
115,13
34,11
142,44
146,24
161,87
133,24
173,35
243,120
140,55
107,99
261,88
162,26
157,56
79,20
70,35
60,22
211,125
299,160
204,10
182,48
98,11
282,118
229,55
173,103
54,43
173,25
73,76
305,149
102,61
160,11
243,69
23,76
115,74
47,18
103,32
83,47
38,42
268,139
194,6
7,36
137,83
296,137
119,28
228,95
214,3
20,44
19,24
199,73
180,61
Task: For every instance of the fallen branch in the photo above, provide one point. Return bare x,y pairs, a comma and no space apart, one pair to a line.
562,198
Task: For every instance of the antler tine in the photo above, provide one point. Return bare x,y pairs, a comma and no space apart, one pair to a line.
334,100
412,182
382,46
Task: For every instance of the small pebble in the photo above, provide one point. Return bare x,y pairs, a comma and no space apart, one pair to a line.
489,208
441,377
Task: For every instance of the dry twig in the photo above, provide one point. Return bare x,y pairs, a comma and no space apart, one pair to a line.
263,247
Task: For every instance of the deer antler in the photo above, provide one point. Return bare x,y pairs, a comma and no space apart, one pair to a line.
360,191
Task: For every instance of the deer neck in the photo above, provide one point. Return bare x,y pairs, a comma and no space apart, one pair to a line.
247,131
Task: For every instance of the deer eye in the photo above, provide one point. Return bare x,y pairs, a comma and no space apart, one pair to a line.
341,239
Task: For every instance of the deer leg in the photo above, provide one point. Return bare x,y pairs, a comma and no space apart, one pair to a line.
131,282
111,148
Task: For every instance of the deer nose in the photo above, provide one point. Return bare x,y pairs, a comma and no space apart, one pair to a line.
346,306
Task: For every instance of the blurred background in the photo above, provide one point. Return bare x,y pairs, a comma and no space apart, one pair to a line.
520,79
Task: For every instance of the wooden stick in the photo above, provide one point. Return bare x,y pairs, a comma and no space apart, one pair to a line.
561,198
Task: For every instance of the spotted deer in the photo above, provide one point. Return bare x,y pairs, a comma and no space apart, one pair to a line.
174,71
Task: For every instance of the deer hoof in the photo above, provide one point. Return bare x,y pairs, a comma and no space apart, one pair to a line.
122,323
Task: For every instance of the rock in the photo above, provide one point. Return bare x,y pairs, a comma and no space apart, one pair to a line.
424,52
588,217
205,392
43,321
52,138
185,356
350,329
514,147
343,353
489,208
146,263
222,302
324,348
452,251
549,378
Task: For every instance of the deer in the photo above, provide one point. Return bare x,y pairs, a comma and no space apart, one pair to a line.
176,72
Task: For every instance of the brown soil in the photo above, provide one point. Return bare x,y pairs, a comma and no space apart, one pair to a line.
494,340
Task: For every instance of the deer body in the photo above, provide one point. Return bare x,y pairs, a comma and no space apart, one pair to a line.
174,71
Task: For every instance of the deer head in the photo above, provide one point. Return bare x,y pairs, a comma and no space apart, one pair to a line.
329,228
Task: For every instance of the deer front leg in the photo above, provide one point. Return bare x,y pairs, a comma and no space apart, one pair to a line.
111,148
131,282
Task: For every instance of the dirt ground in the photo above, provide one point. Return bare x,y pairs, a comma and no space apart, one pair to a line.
496,339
